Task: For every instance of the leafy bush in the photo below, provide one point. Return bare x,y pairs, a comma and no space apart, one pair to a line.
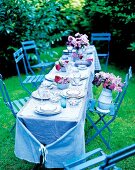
118,19
43,21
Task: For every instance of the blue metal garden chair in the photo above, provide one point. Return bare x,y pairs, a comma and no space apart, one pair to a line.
29,47
101,161
15,105
103,120
30,78
103,51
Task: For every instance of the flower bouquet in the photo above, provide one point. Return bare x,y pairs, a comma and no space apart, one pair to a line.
78,42
108,81
62,82
61,65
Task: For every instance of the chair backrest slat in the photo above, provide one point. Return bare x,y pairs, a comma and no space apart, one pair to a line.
19,58
100,36
103,47
5,96
29,47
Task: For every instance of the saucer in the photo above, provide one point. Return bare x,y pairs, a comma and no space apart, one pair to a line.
73,102
80,83
71,95
36,96
49,77
82,67
83,77
73,92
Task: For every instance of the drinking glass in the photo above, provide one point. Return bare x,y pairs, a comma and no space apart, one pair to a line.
76,77
42,92
69,48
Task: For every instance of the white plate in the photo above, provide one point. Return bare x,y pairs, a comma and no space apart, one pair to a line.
73,83
102,111
36,95
84,77
73,102
64,93
49,77
46,83
48,111
73,92
82,67
48,108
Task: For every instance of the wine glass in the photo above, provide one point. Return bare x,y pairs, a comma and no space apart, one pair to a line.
42,92
69,48
76,77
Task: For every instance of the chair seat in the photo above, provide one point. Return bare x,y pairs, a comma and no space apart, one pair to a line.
34,79
45,65
18,104
15,105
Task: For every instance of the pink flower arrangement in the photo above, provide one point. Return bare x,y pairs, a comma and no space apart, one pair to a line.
108,81
61,63
78,41
77,56
61,80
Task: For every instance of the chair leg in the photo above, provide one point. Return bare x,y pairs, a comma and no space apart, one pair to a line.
12,128
106,64
98,132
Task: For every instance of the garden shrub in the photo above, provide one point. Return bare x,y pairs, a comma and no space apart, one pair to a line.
118,18
39,20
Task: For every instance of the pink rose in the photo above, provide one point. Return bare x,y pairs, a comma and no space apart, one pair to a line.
58,67
57,79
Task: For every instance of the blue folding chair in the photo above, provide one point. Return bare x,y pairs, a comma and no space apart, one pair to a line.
101,161
29,47
30,78
103,120
15,105
103,49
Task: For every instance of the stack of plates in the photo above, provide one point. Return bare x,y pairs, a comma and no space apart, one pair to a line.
48,109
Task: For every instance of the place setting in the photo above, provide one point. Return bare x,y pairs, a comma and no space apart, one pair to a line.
72,93
47,109
42,93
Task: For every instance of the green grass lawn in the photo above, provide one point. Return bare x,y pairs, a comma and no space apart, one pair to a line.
123,127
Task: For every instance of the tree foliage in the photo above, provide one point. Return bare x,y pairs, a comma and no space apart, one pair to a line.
116,17
40,20
48,22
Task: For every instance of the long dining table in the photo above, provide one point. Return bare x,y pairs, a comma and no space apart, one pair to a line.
59,136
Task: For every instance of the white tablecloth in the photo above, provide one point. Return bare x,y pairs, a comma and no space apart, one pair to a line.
59,137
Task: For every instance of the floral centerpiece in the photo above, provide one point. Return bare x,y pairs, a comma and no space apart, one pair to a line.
109,82
62,82
61,65
79,41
